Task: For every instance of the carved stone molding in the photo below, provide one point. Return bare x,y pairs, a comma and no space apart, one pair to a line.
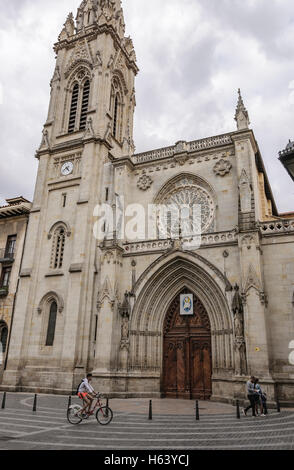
144,182
222,167
253,280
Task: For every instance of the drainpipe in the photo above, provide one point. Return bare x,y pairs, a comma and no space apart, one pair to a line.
14,299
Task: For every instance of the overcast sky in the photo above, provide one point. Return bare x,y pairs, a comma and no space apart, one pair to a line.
193,55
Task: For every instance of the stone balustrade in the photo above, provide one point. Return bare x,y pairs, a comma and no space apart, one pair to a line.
277,226
196,145
162,245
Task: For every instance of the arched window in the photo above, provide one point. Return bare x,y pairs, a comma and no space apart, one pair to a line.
51,324
73,108
3,336
115,117
116,106
58,248
85,105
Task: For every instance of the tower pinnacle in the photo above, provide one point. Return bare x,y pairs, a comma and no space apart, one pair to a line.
241,116
93,12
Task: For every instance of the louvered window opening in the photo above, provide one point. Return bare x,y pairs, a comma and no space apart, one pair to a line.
60,242
85,105
73,108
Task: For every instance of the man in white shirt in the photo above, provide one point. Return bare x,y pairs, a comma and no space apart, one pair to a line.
86,393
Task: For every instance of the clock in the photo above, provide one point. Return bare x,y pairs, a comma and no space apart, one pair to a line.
67,168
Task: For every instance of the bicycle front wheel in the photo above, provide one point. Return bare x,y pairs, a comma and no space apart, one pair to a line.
74,415
104,415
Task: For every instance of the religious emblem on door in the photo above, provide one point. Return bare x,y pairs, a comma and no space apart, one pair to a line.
187,367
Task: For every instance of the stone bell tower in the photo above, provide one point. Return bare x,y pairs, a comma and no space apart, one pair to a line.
89,124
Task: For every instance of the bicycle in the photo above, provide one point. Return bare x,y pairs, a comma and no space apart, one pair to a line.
104,414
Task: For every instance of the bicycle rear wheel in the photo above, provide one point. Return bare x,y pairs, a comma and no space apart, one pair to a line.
104,415
73,415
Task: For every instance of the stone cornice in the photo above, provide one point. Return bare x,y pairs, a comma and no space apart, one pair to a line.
184,150
121,162
71,145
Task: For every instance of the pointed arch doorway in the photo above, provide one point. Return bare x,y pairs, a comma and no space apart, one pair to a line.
187,359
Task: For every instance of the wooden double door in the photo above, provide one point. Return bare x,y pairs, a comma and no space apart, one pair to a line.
187,365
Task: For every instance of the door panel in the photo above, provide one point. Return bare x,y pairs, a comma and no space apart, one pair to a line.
187,353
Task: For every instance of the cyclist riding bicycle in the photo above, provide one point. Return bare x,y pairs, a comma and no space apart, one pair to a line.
86,393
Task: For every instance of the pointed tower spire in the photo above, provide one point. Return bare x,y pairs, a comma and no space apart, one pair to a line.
241,116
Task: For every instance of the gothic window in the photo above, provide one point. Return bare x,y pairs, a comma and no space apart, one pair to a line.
186,192
85,105
3,336
51,324
80,97
116,108
58,248
73,108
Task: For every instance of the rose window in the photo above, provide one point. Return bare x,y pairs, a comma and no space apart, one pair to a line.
189,202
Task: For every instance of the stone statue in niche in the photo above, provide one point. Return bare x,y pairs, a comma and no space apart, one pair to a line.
125,327
245,193
240,344
125,310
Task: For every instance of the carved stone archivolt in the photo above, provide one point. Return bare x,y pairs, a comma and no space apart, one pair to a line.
48,298
153,301
81,55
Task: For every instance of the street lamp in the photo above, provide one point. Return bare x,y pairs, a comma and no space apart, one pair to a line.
287,158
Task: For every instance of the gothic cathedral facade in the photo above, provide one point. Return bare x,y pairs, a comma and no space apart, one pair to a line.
112,307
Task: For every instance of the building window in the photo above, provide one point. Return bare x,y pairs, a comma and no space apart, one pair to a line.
116,106
79,103
73,108
58,248
10,246
51,324
5,278
3,336
64,197
85,105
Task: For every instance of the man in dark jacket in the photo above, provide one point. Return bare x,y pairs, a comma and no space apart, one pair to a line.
251,394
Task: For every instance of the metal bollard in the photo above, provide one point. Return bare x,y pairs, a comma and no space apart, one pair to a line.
150,410
238,409
4,401
197,411
69,402
278,407
107,405
35,403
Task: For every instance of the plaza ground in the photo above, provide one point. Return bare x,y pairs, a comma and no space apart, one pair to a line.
173,427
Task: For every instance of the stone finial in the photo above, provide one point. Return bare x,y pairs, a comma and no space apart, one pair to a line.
241,116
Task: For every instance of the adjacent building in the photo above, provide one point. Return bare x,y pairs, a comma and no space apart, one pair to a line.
13,225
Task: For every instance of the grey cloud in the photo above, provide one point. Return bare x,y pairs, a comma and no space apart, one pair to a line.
193,55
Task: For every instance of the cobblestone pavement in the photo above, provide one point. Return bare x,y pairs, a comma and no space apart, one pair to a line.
173,427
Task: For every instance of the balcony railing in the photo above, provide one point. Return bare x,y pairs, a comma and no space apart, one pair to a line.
5,256
3,291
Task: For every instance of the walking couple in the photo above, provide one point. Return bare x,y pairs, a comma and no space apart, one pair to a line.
256,397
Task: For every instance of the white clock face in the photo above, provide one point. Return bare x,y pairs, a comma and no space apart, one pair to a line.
67,168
